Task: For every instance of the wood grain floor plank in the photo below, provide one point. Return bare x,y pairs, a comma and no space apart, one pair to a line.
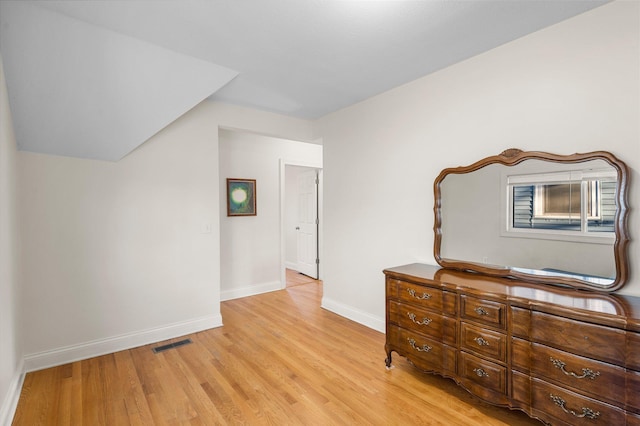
131,388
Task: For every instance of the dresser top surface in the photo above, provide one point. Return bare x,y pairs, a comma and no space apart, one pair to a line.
622,311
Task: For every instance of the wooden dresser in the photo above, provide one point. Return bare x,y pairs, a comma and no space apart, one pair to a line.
564,356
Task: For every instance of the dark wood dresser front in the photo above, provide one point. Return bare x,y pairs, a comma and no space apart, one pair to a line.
564,356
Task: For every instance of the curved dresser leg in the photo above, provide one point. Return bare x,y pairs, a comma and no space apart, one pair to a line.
387,360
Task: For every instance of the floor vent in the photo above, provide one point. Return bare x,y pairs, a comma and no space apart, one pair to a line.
171,345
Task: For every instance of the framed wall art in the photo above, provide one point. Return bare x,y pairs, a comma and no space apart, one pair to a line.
241,197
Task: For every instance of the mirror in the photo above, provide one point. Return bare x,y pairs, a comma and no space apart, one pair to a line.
547,218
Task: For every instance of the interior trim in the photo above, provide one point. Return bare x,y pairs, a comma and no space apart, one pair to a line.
55,357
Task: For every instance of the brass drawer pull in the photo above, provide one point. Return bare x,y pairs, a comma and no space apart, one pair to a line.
480,341
586,412
425,296
586,372
424,348
425,320
480,372
481,311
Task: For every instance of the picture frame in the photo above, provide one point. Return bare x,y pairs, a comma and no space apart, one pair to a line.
241,197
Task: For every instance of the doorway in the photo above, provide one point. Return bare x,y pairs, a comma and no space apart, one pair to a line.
301,201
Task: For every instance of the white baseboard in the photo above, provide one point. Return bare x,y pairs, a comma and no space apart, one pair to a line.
291,265
60,356
353,314
10,403
250,290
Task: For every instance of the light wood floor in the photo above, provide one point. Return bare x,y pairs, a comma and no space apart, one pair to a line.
279,359
295,278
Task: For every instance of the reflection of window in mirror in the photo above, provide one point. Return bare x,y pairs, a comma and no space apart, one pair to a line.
559,200
578,202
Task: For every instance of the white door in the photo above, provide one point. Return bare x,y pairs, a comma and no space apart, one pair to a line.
307,225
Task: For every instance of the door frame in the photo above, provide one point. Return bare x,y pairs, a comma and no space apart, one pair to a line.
313,165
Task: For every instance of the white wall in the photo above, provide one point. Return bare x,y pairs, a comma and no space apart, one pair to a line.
572,87
10,347
250,253
114,253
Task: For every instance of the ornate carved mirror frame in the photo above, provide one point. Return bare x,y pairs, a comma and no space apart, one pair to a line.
512,157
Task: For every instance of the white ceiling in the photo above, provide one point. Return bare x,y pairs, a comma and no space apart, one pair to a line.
95,79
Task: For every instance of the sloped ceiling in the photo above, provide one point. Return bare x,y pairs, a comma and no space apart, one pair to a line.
95,79
79,90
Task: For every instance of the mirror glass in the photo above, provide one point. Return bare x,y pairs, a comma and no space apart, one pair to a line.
556,220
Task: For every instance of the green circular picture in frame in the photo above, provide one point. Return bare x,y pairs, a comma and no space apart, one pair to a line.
241,197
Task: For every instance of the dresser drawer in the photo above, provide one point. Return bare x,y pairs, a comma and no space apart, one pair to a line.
483,311
520,355
484,342
417,319
488,374
596,341
520,322
425,353
572,408
521,387
633,391
633,350
633,419
427,297
598,379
